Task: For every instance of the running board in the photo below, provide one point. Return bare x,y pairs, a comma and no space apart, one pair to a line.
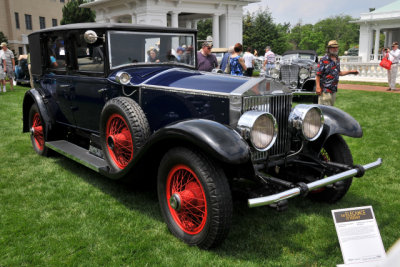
79,154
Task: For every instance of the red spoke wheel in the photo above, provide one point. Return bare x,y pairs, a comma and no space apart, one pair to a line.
36,127
195,198
186,199
123,131
119,141
335,149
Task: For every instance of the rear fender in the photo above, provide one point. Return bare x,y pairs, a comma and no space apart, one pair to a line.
31,97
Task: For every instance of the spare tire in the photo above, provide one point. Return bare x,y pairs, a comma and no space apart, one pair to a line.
124,129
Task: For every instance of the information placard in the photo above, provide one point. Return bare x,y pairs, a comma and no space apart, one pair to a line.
359,237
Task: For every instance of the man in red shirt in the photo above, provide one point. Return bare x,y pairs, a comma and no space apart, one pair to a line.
328,72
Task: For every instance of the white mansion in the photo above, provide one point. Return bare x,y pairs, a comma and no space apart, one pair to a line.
226,15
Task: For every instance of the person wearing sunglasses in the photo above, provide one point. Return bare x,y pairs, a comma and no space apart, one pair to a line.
394,56
206,61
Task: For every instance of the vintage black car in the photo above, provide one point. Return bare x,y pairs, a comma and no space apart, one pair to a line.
297,70
100,100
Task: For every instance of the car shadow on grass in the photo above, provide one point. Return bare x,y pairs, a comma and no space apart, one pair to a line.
259,234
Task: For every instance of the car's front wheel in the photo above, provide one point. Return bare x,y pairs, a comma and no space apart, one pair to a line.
335,149
194,197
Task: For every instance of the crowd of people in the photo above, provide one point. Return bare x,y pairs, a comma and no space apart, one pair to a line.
234,62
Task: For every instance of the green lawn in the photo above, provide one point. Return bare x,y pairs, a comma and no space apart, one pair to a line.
55,212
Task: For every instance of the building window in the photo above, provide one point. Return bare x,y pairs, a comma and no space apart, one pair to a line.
42,22
16,20
20,51
28,22
54,22
62,1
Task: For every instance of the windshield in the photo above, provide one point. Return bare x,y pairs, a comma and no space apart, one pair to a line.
298,56
150,48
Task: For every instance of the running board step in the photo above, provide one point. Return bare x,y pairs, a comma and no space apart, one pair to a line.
79,155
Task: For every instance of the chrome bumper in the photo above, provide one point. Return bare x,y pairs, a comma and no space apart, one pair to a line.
256,202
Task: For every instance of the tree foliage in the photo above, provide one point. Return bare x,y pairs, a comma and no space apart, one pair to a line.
3,38
204,29
72,13
259,31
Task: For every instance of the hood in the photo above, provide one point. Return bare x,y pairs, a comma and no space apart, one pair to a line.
183,78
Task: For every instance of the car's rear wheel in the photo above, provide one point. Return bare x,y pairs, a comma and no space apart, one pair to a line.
335,149
123,131
36,127
195,198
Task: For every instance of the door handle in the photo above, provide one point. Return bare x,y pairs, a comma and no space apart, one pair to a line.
102,90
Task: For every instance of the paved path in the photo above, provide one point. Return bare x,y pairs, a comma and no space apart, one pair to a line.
343,85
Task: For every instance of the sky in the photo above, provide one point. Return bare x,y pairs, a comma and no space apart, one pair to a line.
311,11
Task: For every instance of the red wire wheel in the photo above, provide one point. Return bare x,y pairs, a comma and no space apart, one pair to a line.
186,199
37,131
119,141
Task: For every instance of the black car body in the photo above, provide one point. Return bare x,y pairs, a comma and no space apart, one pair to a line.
297,70
101,101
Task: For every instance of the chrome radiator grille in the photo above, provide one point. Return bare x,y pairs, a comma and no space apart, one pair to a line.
279,106
289,73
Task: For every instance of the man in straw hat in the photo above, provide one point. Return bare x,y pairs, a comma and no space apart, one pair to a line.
394,56
328,72
8,64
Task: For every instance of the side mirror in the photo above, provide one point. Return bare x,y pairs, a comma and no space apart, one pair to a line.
90,36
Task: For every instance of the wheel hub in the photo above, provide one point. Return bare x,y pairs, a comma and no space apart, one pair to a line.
175,202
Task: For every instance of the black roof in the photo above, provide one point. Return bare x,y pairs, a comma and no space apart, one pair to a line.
115,26
299,52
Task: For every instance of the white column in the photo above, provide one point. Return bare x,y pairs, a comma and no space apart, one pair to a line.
390,38
376,46
174,19
215,30
133,16
386,39
188,24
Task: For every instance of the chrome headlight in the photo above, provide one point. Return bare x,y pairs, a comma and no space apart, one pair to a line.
307,119
274,73
260,128
123,77
304,73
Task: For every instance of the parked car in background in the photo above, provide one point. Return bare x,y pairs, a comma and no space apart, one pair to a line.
198,135
219,52
297,70
352,52
21,70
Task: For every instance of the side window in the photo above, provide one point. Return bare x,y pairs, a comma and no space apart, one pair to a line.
56,53
90,57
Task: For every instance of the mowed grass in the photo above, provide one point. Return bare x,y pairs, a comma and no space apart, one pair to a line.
56,212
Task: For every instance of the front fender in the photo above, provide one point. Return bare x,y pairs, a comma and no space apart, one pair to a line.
33,96
215,139
337,122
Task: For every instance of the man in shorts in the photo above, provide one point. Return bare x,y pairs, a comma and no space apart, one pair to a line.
2,73
8,64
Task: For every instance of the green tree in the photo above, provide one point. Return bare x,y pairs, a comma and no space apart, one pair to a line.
72,13
204,29
3,38
259,30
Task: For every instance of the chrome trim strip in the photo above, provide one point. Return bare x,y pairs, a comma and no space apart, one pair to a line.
84,163
261,201
186,91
